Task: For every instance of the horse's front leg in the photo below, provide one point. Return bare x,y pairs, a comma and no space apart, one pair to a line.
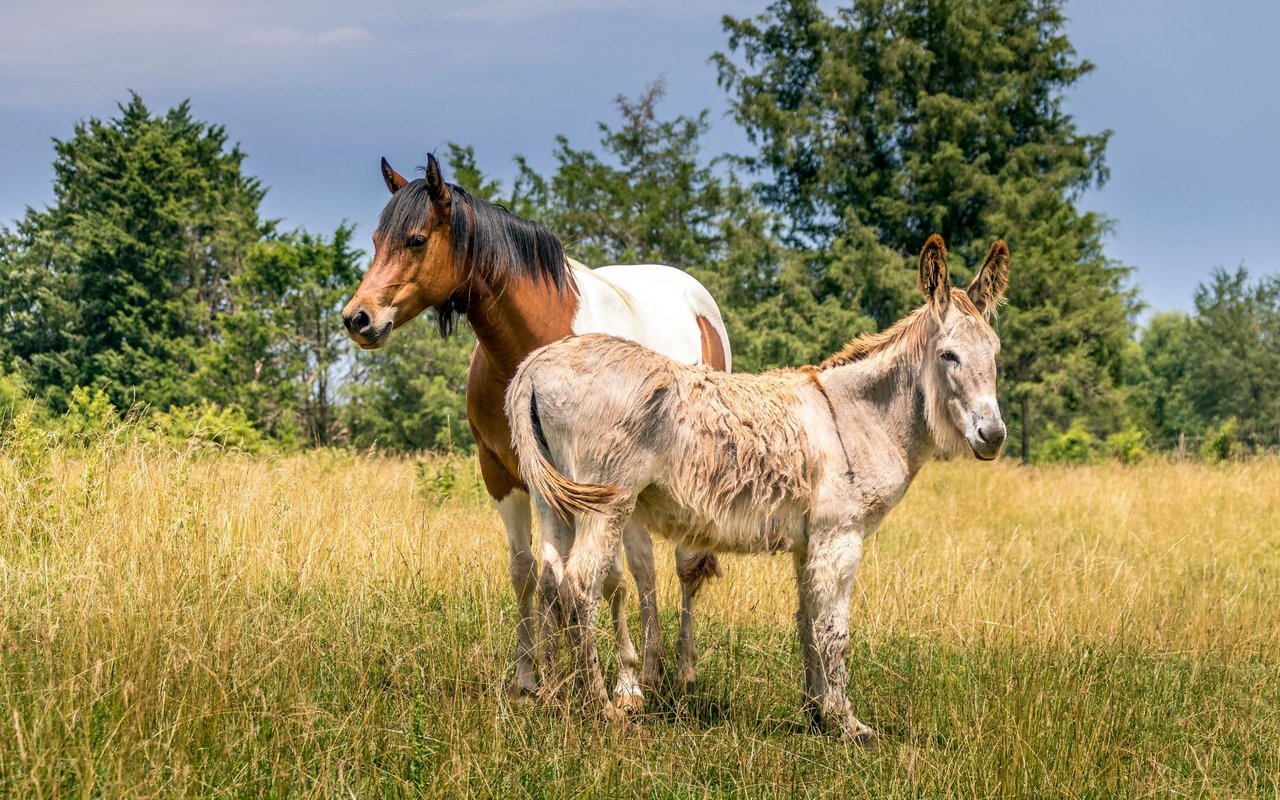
518,521
825,578
595,549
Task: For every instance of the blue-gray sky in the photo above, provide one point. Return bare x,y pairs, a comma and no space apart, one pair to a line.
316,91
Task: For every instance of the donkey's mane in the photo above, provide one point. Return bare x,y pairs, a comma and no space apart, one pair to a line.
910,334
497,243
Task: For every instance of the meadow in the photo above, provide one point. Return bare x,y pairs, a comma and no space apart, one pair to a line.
186,622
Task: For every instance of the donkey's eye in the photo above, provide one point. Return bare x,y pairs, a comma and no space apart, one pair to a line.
950,355
416,241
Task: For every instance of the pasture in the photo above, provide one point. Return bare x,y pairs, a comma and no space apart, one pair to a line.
199,623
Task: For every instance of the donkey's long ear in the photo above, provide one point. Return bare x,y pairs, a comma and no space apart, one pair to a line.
395,181
935,280
436,187
988,287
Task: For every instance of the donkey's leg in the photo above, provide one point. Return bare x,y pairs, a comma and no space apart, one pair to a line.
595,547
694,568
516,517
556,535
804,628
825,589
626,691
639,549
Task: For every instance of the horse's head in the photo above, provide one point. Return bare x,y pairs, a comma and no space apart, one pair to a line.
960,357
414,264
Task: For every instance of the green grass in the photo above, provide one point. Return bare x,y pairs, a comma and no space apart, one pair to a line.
195,624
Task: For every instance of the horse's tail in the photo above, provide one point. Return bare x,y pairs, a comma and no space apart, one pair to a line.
563,494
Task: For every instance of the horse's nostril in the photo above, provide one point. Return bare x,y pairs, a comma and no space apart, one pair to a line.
982,435
360,320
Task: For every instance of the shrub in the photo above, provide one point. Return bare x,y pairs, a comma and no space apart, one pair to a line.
90,415
209,423
1222,443
1128,445
1075,446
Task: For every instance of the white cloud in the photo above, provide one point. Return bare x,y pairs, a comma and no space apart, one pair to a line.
289,36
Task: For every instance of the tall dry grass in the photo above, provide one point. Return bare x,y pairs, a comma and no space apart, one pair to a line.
212,624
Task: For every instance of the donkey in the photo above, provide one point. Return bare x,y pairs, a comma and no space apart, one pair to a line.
806,461
437,246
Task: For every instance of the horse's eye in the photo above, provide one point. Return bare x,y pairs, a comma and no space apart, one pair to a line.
950,355
416,241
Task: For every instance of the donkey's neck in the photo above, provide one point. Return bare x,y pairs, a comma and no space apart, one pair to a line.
879,404
515,316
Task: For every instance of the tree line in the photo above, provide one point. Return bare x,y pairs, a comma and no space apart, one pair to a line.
153,283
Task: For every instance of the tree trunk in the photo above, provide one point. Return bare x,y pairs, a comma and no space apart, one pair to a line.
1026,437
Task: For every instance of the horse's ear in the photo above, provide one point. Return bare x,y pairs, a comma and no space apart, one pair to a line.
436,187
935,280
989,285
395,181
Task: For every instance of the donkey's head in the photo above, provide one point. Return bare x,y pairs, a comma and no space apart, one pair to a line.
415,265
960,355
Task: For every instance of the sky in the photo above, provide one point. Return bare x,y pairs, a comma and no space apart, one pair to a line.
315,92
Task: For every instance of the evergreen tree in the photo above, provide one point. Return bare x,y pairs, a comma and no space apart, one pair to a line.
646,198
892,119
120,283
1234,366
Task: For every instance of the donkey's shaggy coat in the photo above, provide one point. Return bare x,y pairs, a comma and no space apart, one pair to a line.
806,461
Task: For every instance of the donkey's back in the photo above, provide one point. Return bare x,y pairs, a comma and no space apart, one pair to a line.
708,457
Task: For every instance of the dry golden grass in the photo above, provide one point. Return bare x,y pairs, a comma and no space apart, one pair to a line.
205,624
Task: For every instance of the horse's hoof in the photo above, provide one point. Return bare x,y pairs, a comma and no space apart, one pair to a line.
619,719
520,695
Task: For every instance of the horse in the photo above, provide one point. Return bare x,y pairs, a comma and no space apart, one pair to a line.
438,246
806,461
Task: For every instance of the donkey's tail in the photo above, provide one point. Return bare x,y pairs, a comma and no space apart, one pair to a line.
563,494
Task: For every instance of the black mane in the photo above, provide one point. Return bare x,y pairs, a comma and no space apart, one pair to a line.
496,243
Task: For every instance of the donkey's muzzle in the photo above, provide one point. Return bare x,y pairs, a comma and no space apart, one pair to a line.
990,435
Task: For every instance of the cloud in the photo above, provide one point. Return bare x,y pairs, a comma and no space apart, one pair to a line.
289,36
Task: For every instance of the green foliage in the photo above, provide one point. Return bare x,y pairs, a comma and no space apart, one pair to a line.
884,122
1222,442
646,198
282,347
206,423
1074,446
411,395
1127,445
1168,342
119,284
14,397
1234,371
90,415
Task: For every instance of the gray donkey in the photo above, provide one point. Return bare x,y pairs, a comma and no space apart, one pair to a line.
806,461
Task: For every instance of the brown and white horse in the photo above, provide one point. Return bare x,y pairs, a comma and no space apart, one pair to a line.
437,246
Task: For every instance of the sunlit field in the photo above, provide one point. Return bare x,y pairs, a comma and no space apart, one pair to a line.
330,625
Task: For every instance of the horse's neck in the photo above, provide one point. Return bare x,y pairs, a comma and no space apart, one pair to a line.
882,398
517,316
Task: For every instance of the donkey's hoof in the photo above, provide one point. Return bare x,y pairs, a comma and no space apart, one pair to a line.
630,702
861,735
